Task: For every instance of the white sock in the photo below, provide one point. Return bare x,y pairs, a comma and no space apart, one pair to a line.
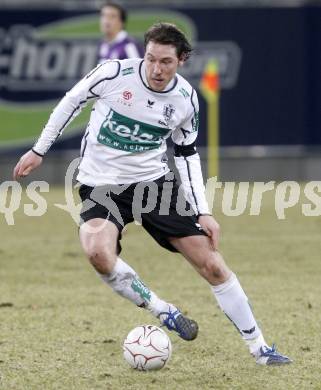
234,303
125,282
256,344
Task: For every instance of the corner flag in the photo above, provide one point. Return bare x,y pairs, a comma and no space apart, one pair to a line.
209,87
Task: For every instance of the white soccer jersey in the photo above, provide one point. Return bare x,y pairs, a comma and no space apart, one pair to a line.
125,140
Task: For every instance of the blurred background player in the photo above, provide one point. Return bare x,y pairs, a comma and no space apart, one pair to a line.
116,42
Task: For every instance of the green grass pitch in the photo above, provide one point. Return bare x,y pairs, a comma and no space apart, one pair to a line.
62,328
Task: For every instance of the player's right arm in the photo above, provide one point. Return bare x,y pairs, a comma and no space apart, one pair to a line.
27,163
188,164
89,88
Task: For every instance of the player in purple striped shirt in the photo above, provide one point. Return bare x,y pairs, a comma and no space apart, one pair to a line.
116,42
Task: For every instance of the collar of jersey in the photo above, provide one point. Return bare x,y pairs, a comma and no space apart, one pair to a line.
144,80
119,37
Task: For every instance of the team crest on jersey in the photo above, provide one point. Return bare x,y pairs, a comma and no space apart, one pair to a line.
168,111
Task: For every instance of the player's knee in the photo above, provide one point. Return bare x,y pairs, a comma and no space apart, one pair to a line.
214,271
99,256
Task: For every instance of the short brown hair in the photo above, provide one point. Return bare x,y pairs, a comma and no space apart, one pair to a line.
169,34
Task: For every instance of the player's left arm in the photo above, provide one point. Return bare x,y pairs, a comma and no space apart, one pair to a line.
187,161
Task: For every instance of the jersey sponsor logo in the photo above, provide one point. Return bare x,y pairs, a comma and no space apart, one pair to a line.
124,133
127,95
127,71
125,99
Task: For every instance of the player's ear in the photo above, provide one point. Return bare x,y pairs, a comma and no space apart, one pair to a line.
181,60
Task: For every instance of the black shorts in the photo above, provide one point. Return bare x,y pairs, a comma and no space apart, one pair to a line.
159,206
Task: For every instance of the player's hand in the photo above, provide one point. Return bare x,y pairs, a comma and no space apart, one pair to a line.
27,163
211,228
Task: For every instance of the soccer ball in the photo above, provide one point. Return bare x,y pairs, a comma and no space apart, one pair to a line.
147,347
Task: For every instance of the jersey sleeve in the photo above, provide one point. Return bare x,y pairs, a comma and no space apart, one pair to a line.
89,88
187,160
186,132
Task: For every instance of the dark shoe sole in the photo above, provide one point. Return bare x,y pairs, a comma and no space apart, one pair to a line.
186,328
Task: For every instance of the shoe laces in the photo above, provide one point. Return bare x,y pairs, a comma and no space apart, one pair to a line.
269,351
170,321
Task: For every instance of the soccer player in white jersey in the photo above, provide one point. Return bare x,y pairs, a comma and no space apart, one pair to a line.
139,103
